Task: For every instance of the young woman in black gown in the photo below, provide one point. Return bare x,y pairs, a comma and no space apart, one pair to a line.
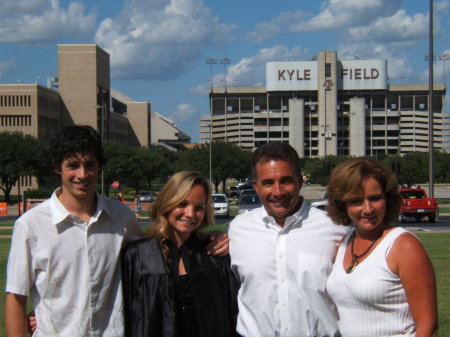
171,285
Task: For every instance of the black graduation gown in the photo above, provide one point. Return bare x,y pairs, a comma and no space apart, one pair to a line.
149,291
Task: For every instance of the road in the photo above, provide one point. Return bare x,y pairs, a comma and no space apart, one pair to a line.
443,225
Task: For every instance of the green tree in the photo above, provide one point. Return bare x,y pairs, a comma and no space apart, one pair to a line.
319,169
20,155
146,164
413,169
228,161
116,164
442,167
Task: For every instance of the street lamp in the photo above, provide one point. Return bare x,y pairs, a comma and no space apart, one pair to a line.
225,61
430,103
210,61
102,138
440,57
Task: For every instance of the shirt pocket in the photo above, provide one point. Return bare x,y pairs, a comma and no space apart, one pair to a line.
313,271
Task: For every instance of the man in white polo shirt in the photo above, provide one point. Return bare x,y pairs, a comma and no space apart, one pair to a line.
65,251
282,254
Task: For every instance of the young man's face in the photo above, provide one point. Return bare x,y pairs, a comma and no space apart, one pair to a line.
79,175
278,187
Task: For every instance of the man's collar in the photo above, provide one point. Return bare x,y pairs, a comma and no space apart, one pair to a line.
291,219
60,213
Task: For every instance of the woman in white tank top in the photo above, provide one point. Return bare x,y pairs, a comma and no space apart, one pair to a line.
382,282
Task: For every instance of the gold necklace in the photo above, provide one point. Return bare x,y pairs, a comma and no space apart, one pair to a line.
355,258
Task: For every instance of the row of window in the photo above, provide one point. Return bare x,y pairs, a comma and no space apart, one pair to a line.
9,120
15,100
25,181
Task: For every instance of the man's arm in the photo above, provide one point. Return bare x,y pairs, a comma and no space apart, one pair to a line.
219,245
15,315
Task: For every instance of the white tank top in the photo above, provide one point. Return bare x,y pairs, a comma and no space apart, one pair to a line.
371,300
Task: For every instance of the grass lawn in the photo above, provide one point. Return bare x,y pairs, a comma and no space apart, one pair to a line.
437,245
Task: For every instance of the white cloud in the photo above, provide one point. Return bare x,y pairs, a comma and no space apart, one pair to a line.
399,67
159,39
441,7
338,14
252,70
399,27
184,112
201,89
441,67
43,21
265,31
6,66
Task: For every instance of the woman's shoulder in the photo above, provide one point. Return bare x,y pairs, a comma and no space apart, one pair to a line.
143,244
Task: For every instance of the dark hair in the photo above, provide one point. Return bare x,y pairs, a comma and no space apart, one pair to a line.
276,151
76,139
346,183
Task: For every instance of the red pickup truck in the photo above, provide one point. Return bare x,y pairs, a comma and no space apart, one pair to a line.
416,204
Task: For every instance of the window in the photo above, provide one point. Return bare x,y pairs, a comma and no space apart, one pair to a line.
22,120
15,100
327,69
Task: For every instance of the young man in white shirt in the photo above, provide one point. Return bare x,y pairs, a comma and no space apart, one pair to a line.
65,251
282,254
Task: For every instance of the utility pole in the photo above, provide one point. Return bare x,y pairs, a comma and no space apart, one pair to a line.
430,105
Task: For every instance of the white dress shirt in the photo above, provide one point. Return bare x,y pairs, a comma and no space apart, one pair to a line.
283,273
71,268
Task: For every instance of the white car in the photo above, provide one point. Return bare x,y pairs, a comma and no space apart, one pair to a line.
221,205
321,204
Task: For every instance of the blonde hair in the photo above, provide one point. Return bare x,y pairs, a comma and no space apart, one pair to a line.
174,192
346,183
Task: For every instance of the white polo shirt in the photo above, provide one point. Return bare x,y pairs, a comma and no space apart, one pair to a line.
71,268
283,273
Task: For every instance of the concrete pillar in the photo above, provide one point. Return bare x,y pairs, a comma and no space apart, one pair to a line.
297,125
327,96
357,120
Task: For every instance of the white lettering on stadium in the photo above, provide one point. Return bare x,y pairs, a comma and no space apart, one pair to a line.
360,74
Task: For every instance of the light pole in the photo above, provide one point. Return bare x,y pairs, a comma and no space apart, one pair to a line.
440,57
430,103
102,139
225,61
210,61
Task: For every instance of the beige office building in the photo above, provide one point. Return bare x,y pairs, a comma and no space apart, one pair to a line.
81,94
326,107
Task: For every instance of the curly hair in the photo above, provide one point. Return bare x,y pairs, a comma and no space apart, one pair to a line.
346,183
76,139
174,192
275,151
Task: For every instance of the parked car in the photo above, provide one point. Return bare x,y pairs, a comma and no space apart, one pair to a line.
233,192
417,205
249,191
321,204
221,206
244,183
236,191
147,197
248,202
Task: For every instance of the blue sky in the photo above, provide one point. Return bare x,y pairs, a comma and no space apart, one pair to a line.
158,47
